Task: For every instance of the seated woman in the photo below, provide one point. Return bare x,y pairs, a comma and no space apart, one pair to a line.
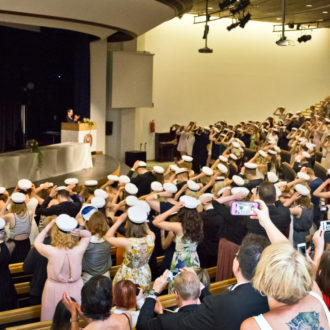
62,317
97,257
96,302
124,299
138,244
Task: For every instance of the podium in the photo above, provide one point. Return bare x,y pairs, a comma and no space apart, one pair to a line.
79,132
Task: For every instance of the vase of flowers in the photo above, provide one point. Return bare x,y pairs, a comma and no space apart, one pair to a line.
33,145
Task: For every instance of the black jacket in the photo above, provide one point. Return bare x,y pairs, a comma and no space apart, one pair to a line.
225,311
279,215
70,208
142,181
36,265
146,320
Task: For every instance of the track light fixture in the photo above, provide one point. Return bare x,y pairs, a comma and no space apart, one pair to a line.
241,5
304,38
226,3
232,26
283,41
244,20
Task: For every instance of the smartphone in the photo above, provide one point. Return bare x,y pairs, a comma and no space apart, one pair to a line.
325,225
323,208
302,248
173,274
243,208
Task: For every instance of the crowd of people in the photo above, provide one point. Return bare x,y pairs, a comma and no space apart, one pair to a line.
223,202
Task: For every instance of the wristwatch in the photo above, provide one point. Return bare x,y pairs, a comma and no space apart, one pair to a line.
152,292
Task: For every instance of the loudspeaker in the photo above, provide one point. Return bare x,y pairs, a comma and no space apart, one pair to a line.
108,127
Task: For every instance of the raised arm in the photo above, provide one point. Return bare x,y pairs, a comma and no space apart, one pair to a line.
44,249
274,235
318,192
110,235
160,222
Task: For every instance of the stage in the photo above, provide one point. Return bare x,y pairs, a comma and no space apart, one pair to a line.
58,162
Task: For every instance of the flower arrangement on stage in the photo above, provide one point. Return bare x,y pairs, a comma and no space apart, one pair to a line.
33,145
88,122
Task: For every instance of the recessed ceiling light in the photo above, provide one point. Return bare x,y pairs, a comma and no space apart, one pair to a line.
320,20
324,12
278,18
209,7
309,5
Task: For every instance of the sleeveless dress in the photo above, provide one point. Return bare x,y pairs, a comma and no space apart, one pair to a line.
63,274
185,254
264,325
135,265
22,247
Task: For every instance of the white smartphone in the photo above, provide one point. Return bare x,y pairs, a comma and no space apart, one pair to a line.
302,248
325,225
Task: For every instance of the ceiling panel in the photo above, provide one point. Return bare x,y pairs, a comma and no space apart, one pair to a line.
298,11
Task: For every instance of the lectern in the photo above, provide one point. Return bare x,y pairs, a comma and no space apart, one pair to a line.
79,132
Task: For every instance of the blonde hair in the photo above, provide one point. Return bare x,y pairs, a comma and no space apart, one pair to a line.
187,285
46,221
191,193
18,208
283,273
62,240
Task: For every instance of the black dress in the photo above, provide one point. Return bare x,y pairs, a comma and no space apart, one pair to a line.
7,290
199,152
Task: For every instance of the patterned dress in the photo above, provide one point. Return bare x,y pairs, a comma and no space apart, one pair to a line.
135,264
185,254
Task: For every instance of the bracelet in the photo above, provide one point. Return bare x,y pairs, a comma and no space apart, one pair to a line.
74,320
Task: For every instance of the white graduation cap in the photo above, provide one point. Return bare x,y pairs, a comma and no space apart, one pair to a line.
243,190
2,224
220,192
87,211
91,183
222,168
206,198
158,169
207,170
112,177
131,200
144,205
170,187
156,186
303,176
142,164
98,202
69,181
18,198
262,153
239,181
65,223
137,214
301,189
192,185
223,159
100,193
187,158
232,156
272,177
2,190
24,184
124,179
131,188
251,166
189,202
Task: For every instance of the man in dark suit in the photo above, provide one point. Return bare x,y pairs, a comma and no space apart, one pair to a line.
279,214
229,309
187,289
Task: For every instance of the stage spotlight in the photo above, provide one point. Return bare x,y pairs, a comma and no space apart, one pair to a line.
205,50
282,41
244,20
240,6
304,38
232,26
224,4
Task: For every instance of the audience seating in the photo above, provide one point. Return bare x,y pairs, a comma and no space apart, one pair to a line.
28,313
318,156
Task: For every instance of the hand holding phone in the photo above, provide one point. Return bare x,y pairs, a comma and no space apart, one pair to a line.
244,208
302,248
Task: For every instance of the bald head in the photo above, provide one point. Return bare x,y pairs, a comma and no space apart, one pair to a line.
187,285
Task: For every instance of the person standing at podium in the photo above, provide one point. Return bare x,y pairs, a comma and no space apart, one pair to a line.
70,118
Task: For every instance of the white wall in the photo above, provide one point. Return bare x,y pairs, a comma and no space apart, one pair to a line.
246,77
98,89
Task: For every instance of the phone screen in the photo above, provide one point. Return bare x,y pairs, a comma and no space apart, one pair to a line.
243,208
302,248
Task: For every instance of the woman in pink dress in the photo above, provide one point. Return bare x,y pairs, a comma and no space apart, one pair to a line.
64,261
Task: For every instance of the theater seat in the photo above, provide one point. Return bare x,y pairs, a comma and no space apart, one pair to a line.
320,171
287,172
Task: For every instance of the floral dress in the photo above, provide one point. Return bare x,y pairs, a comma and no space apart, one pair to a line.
185,254
135,264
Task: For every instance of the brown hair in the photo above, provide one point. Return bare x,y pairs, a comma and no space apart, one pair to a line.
136,230
192,224
304,201
323,273
18,208
97,224
124,294
62,240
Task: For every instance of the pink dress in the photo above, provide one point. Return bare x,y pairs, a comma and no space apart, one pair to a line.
64,273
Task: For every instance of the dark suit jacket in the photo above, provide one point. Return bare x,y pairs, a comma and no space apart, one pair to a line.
279,215
142,181
225,311
146,320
